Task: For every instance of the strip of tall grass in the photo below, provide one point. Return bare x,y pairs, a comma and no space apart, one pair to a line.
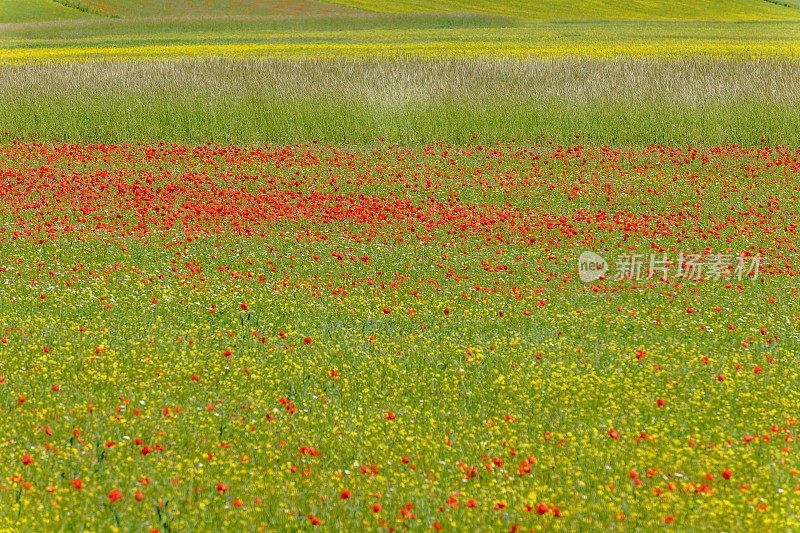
409,100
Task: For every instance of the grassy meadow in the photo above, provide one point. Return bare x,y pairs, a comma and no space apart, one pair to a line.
301,265
407,100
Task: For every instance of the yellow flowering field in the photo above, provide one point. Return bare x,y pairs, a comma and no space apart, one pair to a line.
490,336
402,37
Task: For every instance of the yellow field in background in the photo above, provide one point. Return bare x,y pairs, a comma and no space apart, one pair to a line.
722,39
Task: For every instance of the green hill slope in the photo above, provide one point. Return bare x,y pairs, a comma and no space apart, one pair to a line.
51,10
542,10
527,10
150,8
38,11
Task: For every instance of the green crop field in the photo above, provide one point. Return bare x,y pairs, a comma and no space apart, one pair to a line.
38,11
399,266
407,100
53,10
525,10
154,8
544,10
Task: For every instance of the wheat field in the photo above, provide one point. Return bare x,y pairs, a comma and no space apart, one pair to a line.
408,99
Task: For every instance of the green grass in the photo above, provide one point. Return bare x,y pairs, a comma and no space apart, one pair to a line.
526,10
409,100
21,11
38,11
540,10
210,29
158,8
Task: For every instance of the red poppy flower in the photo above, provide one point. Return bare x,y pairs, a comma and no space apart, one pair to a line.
542,509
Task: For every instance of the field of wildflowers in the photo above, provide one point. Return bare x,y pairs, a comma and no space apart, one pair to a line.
384,337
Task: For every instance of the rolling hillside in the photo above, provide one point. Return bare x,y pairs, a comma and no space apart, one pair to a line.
152,8
51,10
525,10
38,11
544,10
